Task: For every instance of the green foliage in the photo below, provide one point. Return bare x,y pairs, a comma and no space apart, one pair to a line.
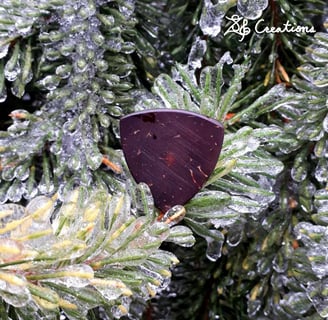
89,243
88,251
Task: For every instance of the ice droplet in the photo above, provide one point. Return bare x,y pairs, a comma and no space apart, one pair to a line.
64,71
15,191
8,172
325,123
181,236
93,157
121,310
298,302
50,82
317,293
3,50
174,215
321,170
299,173
45,186
110,291
214,245
251,9
87,11
12,67
319,54
225,217
108,96
212,15
197,53
235,234
127,7
22,172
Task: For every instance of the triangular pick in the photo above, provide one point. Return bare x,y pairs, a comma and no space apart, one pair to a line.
173,151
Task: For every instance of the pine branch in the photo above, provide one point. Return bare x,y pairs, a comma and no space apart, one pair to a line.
90,250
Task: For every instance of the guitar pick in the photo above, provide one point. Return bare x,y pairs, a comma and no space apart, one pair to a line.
173,151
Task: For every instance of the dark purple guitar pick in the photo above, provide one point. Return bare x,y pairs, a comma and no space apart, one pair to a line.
173,151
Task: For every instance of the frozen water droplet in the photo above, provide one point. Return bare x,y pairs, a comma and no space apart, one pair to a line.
321,148
23,25
3,50
128,47
64,71
197,53
127,8
174,215
81,65
235,234
251,9
181,236
67,48
102,65
22,172
317,293
119,311
46,187
108,96
12,70
225,216
325,123
299,173
87,11
18,88
319,54
111,289
321,170
94,158
8,172
214,245
15,191
212,15
245,205
116,111
50,82
298,302
30,189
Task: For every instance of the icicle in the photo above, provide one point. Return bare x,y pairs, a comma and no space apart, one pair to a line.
214,245
197,53
212,15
